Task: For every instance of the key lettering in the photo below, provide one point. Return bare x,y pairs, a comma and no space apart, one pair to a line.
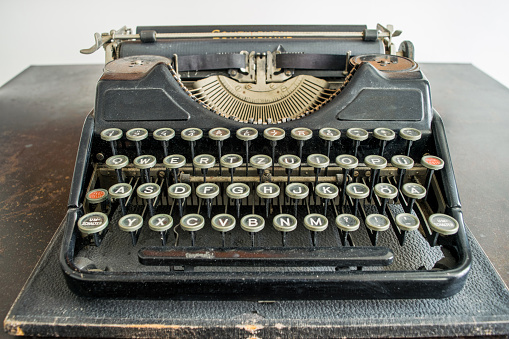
252,222
314,222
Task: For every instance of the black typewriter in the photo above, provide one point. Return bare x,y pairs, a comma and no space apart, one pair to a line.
263,163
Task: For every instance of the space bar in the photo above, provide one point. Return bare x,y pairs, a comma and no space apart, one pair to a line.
259,256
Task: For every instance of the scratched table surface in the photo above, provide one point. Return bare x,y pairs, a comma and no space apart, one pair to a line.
42,112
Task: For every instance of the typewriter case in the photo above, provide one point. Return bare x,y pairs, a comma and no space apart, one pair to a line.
143,87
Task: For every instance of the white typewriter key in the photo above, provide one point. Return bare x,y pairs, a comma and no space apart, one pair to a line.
412,192
267,191
284,223
164,135
357,191
231,161
410,135
237,192
149,192
261,162
385,192
144,163
247,134
289,162
161,223
223,223
326,191
274,134
179,192
93,224
96,197
301,134
207,191
375,163
356,135
112,135
329,135
376,223
117,162
192,223
315,223
405,222
174,162
219,134
132,224
441,224
121,191
204,162
347,223
137,135
252,223
432,163
402,163
192,135
317,161
383,134
297,192
346,162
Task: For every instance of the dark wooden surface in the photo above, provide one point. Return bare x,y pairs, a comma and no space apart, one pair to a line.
43,108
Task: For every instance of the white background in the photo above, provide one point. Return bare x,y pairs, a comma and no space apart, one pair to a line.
53,32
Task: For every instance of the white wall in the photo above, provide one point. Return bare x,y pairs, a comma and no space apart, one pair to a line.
53,32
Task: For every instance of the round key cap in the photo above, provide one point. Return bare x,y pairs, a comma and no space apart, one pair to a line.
407,222
274,133
164,134
357,190
432,162
130,222
219,133
136,134
385,134
207,191
414,191
347,161
347,222
386,191
247,133
160,222
260,161
326,190
318,161
329,134
289,161
375,162
203,161
377,222
145,161
410,134
174,161
223,222
284,222
121,190
191,134
297,191
179,191
148,191
443,224
301,133
252,223
237,191
357,134
267,190
316,222
97,196
117,161
111,134
94,222
231,160
402,162
192,222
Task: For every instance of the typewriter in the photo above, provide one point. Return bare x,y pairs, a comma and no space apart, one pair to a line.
263,163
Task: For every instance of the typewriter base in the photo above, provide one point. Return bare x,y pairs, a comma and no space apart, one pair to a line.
46,307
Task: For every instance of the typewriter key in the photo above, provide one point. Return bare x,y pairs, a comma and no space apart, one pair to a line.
117,162
432,163
326,191
441,224
121,191
192,135
375,163
296,191
252,223
261,162
207,191
376,223
329,135
357,135
164,135
267,191
301,134
137,135
410,135
385,192
93,224
223,223
383,134
174,162
231,161
347,223
405,222
219,134
284,223
132,224
247,134
149,192
357,191
192,223
237,191
144,163
346,162
98,196
413,191
112,135
274,134
161,223
204,162
179,192
317,161
289,162
315,223
402,163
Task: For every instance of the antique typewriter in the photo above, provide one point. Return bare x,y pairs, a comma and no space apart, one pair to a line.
263,163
